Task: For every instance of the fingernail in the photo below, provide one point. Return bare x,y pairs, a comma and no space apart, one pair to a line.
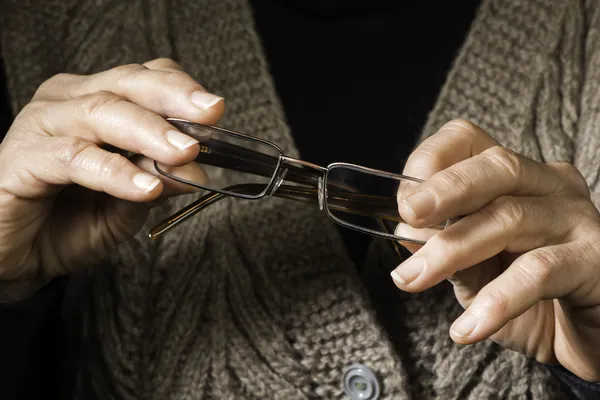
179,140
205,100
145,182
420,204
409,270
463,326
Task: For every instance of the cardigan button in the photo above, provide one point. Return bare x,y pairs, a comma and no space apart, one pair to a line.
360,383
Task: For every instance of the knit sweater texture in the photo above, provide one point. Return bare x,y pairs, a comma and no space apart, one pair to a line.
258,299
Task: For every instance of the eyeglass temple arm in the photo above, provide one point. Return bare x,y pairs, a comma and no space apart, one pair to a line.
292,193
370,206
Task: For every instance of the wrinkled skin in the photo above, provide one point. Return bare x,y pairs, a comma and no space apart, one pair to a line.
525,258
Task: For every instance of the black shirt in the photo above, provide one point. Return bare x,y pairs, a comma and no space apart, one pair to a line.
358,78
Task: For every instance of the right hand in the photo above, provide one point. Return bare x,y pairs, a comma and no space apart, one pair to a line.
65,198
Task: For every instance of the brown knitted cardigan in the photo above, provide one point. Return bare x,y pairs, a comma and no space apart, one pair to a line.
257,299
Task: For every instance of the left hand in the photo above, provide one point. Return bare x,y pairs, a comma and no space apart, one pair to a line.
525,258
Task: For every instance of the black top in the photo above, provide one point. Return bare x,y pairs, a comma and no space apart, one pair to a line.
357,79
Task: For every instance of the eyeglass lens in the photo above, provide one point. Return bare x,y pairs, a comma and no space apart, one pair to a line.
354,195
229,160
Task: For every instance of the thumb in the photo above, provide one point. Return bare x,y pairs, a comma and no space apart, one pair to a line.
122,219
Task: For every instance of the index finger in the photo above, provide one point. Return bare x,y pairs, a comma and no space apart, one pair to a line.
471,184
158,86
455,141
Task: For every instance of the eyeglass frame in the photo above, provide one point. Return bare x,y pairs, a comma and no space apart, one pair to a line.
275,183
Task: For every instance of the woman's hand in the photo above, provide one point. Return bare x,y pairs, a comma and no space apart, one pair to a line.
525,259
67,195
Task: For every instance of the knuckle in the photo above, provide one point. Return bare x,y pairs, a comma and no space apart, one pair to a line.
68,150
537,268
56,82
452,180
123,74
31,119
507,211
111,165
148,123
585,217
163,62
60,78
462,127
427,154
127,70
93,105
494,302
506,160
573,177
26,178
33,110
171,79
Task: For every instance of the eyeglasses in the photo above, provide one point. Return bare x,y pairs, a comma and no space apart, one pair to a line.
238,165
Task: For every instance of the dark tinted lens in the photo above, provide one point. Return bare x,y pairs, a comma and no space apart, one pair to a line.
231,162
365,200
